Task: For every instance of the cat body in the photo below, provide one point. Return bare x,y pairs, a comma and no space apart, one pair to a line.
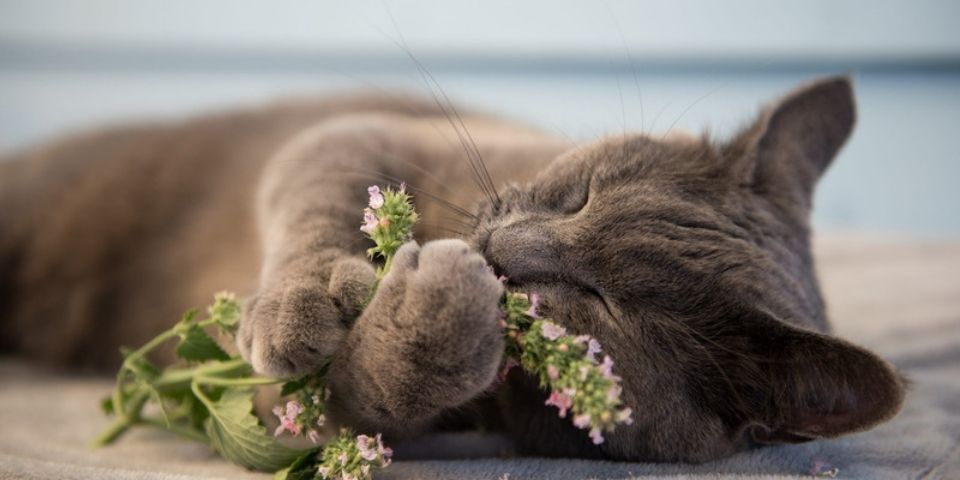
688,259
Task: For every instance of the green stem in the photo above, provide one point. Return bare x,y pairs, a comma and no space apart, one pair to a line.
238,382
181,377
124,420
117,428
387,263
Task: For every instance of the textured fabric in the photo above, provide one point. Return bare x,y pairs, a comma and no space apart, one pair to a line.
899,297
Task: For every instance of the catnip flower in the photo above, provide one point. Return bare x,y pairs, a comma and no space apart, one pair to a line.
376,198
552,331
596,436
388,221
306,412
561,400
581,421
534,305
353,457
370,221
288,418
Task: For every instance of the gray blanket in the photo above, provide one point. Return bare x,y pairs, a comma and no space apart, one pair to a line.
898,297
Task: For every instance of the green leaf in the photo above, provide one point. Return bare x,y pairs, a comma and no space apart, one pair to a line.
303,468
293,386
236,433
195,345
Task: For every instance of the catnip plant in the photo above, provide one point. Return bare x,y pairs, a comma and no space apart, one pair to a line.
208,396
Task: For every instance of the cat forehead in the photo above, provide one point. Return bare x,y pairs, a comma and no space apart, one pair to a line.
670,153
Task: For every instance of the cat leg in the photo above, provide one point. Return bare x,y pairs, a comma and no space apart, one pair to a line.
429,341
315,276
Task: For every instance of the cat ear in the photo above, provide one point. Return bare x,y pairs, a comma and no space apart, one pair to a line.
793,142
818,386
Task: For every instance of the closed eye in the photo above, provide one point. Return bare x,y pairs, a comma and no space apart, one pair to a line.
598,295
578,201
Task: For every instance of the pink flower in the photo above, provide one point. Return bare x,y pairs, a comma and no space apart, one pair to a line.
553,372
593,348
313,436
582,420
376,198
613,393
625,416
534,305
323,471
288,418
385,452
293,409
552,331
596,436
369,221
343,458
291,426
561,401
606,368
363,444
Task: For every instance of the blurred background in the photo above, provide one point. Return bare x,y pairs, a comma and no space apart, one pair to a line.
579,68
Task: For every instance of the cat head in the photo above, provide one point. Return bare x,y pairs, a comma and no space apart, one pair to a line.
690,261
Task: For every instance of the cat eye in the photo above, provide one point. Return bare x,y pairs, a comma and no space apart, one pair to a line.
577,199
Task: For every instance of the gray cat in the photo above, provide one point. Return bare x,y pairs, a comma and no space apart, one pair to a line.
688,259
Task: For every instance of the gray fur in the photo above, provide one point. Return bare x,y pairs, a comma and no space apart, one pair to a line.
689,259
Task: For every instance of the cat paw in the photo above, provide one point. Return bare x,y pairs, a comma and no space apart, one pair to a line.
445,302
293,326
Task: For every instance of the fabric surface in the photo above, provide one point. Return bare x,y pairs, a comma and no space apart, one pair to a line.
899,297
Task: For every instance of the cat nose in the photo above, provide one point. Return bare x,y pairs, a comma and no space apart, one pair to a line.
523,250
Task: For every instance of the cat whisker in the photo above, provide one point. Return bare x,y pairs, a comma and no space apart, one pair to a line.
633,65
474,158
396,183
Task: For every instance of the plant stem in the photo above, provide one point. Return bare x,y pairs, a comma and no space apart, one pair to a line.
117,428
238,382
124,419
181,377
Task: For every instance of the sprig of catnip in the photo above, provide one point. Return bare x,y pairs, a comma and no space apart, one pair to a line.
565,364
208,396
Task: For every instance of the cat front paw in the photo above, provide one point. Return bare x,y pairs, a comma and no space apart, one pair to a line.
293,325
444,302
